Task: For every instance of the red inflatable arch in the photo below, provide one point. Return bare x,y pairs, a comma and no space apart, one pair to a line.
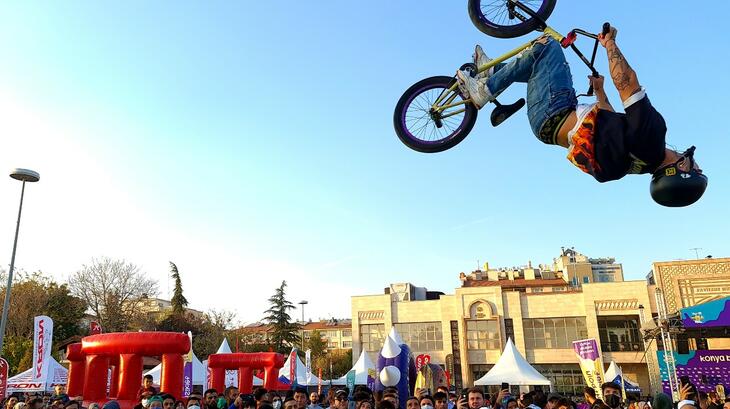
245,363
91,360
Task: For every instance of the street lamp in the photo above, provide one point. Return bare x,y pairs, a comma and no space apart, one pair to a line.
303,303
23,175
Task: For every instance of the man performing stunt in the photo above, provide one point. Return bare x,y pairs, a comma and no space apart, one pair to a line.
603,143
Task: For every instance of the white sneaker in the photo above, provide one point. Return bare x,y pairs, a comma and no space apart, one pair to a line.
480,58
474,88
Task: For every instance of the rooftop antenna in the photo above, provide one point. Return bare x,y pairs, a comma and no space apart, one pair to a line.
697,255
478,268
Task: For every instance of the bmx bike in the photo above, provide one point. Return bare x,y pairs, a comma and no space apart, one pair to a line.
433,116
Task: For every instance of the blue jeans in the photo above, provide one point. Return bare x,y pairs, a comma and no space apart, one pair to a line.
549,83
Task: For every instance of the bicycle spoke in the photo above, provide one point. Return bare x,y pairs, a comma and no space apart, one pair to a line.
497,12
418,116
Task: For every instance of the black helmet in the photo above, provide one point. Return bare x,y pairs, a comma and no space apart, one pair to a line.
673,187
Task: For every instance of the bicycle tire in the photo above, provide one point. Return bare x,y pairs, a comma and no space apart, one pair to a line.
461,125
486,25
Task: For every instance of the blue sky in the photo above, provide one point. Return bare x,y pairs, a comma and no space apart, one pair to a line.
252,142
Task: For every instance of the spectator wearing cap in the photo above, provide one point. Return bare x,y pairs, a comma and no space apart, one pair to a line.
340,399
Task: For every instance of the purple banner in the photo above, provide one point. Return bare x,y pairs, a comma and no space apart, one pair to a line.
187,379
705,369
586,349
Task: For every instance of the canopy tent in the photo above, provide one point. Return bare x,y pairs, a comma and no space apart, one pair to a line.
615,374
231,374
23,382
362,368
512,368
301,373
199,372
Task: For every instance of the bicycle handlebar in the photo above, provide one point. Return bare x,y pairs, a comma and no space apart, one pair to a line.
606,28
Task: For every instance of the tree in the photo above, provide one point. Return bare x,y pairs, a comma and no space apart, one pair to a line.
316,345
178,301
282,332
338,361
217,325
112,289
32,295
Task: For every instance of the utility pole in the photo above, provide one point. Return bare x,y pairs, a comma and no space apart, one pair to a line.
697,255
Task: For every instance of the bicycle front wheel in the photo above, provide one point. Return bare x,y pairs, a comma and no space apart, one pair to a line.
425,129
497,18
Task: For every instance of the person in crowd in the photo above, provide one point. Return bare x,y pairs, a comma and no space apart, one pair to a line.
474,399
341,399
147,390
300,396
687,398
72,404
155,402
275,400
426,402
94,405
611,394
20,405
210,398
551,401
440,400
193,402
314,401
562,403
589,395
362,400
229,395
168,401
35,403
412,403
528,401
112,404
10,402
58,402
258,395
59,392
714,401
511,403
392,397
290,403
386,404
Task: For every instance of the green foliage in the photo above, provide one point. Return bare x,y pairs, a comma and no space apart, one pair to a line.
178,301
32,295
334,364
317,345
283,333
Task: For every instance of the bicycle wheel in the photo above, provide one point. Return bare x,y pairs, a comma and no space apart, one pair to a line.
421,128
497,19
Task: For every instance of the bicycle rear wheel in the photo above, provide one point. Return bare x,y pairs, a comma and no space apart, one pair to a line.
421,128
497,18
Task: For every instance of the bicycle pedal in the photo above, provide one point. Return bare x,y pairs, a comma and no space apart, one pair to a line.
500,113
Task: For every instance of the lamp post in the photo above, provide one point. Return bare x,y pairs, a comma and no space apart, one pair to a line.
23,175
303,303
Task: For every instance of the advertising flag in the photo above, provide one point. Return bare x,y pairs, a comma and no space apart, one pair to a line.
293,368
3,377
188,370
591,363
42,337
308,364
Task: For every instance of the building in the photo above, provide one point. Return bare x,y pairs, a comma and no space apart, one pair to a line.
337,333
578,269
542,310
158,308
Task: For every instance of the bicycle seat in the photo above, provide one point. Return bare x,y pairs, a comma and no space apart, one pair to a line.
502,112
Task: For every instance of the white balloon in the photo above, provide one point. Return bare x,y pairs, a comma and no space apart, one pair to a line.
390,376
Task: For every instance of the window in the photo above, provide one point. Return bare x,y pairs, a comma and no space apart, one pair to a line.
537,289
549,333
482,334
567,379
331,334
307,335
620,333
509,329
478,370
332,344
372,336
346,344
586,280
422,336
346,333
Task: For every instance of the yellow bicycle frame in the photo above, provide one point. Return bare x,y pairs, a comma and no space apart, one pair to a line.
448,96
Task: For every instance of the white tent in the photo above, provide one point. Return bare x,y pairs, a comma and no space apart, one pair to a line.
512,368
231,375
363,365
614,370
199,372
23,382
301,373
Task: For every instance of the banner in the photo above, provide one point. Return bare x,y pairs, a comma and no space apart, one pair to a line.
319,383
350,380
591,363
293,368
188,370
3,377
705,369
308,364
42,337
94,328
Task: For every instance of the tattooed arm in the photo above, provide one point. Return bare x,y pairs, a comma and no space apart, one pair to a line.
623,76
